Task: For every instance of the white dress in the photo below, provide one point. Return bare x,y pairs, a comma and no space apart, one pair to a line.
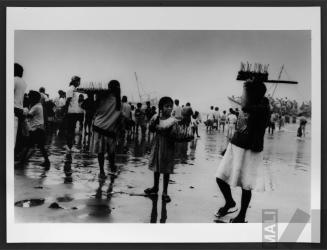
245,169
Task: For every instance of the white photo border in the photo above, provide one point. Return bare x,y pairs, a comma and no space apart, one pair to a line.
158,18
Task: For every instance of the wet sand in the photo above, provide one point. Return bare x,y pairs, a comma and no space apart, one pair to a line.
72,183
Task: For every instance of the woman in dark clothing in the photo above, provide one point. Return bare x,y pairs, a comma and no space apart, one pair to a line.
242,164
89,106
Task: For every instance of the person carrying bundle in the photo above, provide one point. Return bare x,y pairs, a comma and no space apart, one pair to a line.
106,126
242,164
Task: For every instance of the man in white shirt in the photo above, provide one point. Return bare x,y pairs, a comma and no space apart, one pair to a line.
19,91
43,101
74,110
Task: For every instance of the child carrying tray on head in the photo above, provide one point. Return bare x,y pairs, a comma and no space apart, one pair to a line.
106,125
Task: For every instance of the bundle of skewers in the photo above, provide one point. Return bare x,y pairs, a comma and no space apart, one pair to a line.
249,71
92,88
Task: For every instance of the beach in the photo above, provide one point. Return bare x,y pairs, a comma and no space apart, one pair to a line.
72,188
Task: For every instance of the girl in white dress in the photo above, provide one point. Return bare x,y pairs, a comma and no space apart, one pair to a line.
242,164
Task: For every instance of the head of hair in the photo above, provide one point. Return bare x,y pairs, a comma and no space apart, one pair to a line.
148,103
255,90
224,111
124,99
195,115
75,81
139,105
231,110
90,95
216,108
114,88
18,70
132,107
188,104
165,100
34,97
42,90
211,107
176,102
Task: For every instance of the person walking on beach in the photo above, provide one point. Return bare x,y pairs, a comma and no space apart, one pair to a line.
19,90
195,121
133,121
163,149
301,129
81,115
272,123
60,103
242,163
216,119
140,119
187,112
89,106
231,121
106,127
177,111
148,111
73,110
222,120
126,115
210,119
43,101
36,129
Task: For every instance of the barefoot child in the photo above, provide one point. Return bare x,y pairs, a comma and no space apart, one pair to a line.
242,164
105,127
162,153
36,129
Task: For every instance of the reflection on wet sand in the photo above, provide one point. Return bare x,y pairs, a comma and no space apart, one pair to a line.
72,180
154,211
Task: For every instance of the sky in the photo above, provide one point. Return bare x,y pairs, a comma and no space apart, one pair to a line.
197,66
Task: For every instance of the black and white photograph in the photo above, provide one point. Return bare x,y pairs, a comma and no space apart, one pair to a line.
175,126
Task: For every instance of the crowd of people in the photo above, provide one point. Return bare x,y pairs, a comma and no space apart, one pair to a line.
218,121
289,109
107,116
103,116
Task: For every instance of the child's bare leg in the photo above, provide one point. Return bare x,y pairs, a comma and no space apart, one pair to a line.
112,162
165,196
101,163
245,201
155,188
165,183
26,154
44,154
156,176
227,193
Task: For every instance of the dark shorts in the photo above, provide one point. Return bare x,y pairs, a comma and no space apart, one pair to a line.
88,117
37,137
72,118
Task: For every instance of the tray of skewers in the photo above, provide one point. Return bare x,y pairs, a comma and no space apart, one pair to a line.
92,88
249,71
